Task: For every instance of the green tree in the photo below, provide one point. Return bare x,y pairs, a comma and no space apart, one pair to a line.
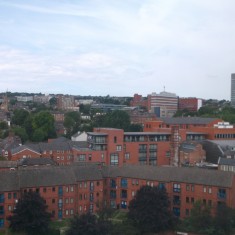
85,108
43,125
72,122
30,215
117,119
88,224
149,210
224,220
3,125
200,219
19,116
21,132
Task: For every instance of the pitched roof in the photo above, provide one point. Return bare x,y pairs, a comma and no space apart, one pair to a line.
8,164
226,161
36,161
66,175
173,174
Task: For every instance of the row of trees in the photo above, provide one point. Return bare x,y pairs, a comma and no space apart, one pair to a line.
39,126
226,113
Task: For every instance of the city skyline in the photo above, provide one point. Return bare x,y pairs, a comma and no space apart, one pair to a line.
117,48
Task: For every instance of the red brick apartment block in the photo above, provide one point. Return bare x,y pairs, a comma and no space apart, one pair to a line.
69,190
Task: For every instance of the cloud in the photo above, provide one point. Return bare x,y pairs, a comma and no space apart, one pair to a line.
122,47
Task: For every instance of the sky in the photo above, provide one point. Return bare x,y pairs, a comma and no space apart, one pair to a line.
118,47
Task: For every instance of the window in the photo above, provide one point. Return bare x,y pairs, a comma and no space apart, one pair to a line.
123,182
133,193
209,190
204,189
91,197
97,183
14,195
113,159
67,189
91,208
124,193
9,195
119,148
204,201
192,199
85,184
222,193
53,200
80,185
80,208
44,190
66,212
161,186
176,188
71,189
89,157
1,197
9,208
187,199
1,223
113,194
66,200
187,187
123,204
71,212
82,157
53,189
127,156
192,188
176,211
91,186
209,203
115,139
113,183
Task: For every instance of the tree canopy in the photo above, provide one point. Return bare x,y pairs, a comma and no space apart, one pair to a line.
30,215
149,210
88,224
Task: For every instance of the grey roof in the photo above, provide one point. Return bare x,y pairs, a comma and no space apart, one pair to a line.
9,181
45,177
147,133
222,143
8,164
213,151
23,147
173,174
51,176
36,161
226,161
58,144
188,120
66,175
188,146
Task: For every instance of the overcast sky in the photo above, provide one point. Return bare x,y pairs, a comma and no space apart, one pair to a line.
118,47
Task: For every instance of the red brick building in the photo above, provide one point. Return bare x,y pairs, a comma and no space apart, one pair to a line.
191,104
70,190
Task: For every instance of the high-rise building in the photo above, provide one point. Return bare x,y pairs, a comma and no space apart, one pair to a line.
164,104
233,89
